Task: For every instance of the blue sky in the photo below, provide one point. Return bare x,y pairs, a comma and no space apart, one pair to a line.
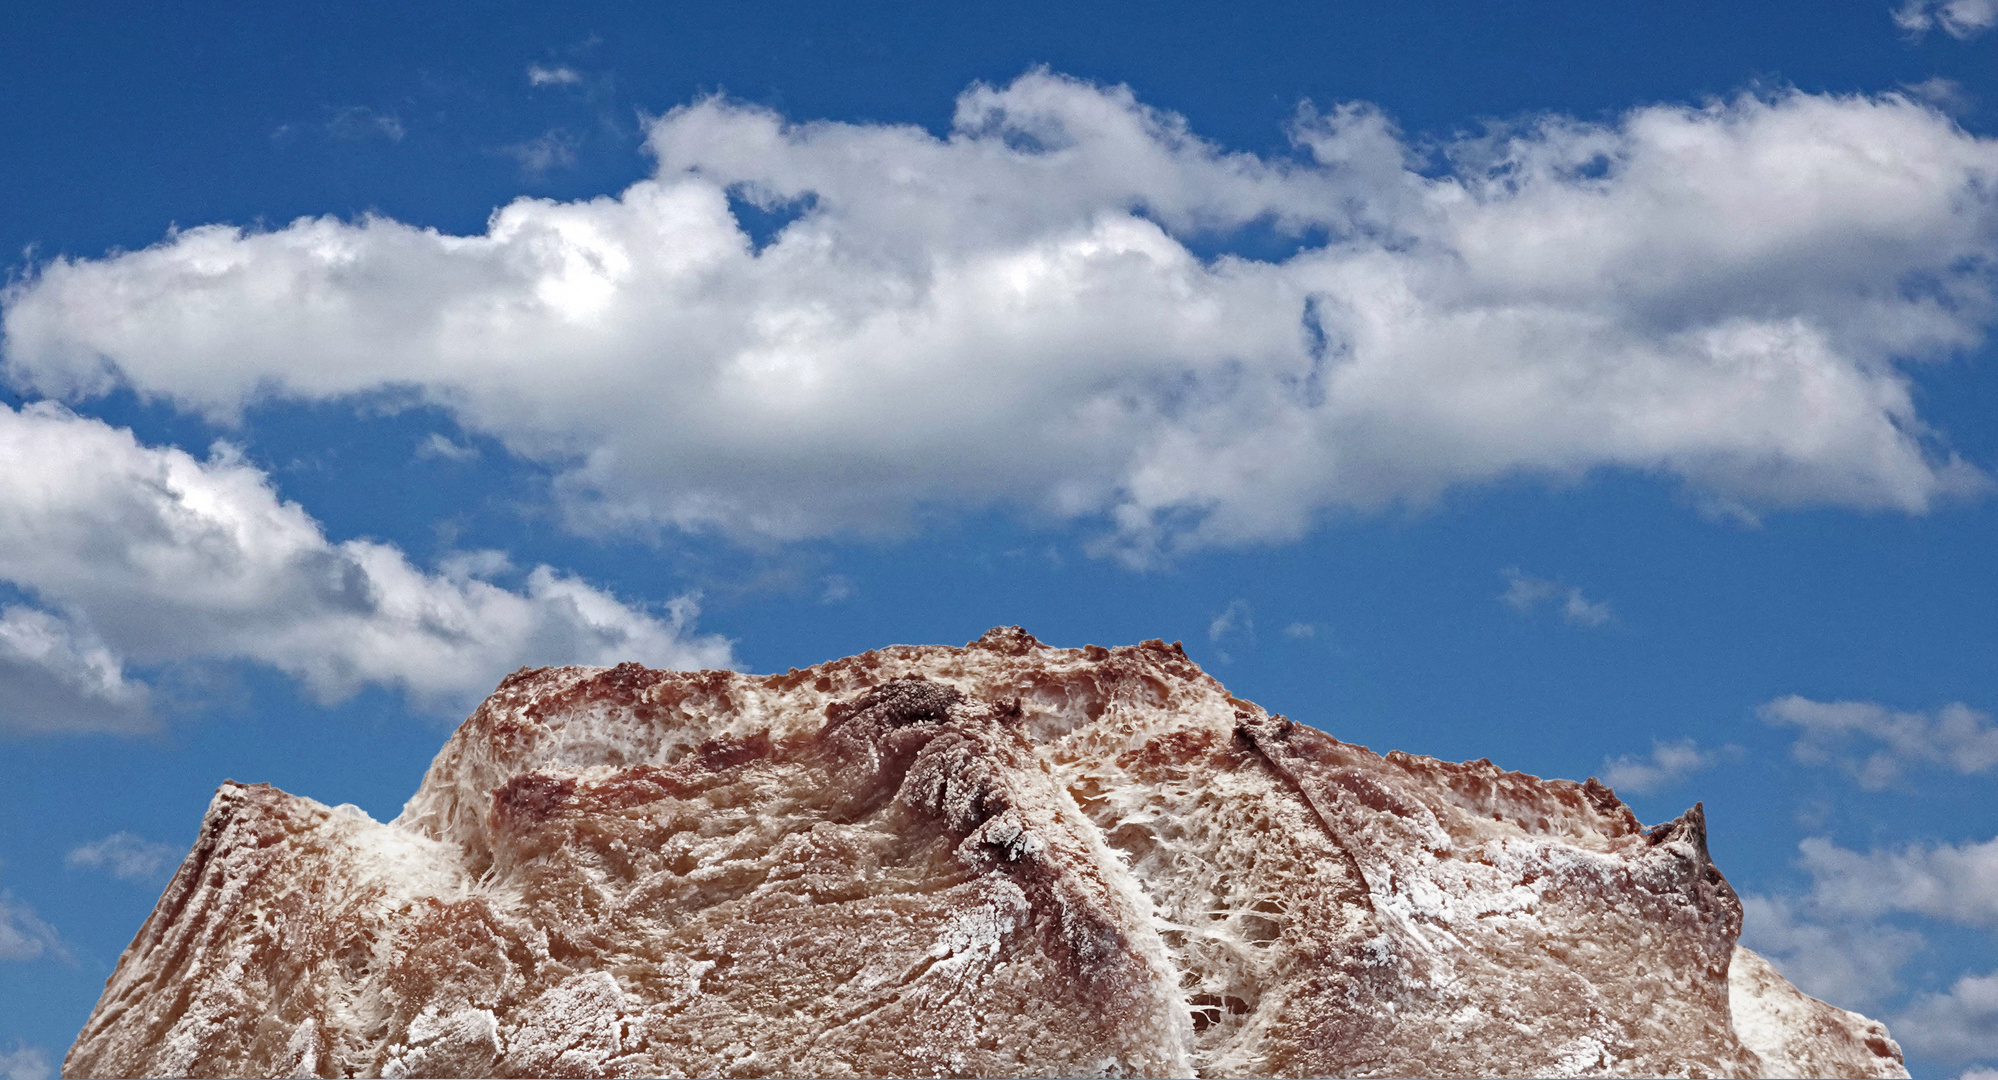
1605,389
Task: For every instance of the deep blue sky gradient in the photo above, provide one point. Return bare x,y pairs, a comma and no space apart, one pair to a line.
124,120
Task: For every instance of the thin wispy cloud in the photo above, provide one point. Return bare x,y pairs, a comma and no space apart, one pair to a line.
23,934
1960,19
838,589
1668,764
358,122
551,150
1524,593
1878,746
436,445
1720,295
1236,618
126,856
552,75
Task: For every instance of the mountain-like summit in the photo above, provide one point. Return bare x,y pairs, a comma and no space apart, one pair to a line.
1006,859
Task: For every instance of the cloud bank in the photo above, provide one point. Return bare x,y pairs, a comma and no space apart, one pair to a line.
1832,942
130,554
1851,965
1019,313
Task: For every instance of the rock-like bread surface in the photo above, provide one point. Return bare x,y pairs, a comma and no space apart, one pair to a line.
1001,860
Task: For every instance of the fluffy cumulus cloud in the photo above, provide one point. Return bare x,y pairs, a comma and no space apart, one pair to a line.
1955,883
133,555
125,856
1877,745
1667,764
1014,313
1960,19
1835,942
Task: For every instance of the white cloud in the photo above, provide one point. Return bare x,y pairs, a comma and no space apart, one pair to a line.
140,555
25,1063
1010,314
1668,764
1852,965
557,75
125,856
1524,592
1948,95
1955,736
1235,618
1955,883
23,934
1831,943
1953,1027
59,677
1960,19
1301,630
1978,1073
